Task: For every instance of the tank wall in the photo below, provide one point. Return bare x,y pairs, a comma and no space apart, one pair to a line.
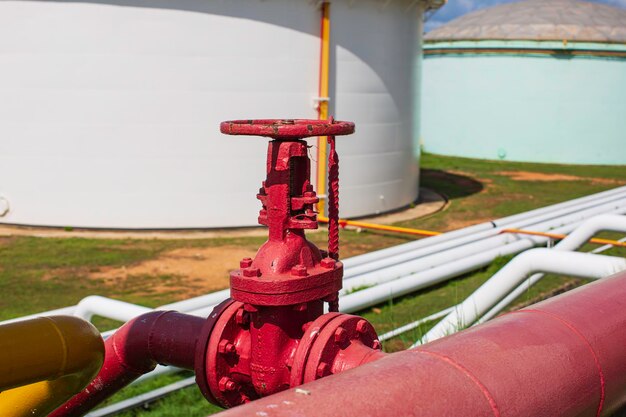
525,108
110,113
376,86
110,109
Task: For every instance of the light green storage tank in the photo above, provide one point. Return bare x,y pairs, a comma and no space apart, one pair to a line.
536,80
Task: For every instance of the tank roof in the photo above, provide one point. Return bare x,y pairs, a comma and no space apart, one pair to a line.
538,20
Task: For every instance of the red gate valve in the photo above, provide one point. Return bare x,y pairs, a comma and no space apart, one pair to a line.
288,269
274,334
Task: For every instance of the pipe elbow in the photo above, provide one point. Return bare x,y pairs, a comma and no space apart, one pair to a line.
84,348
525,263
73,355
83,308
130,344
165,337
48,348
157,337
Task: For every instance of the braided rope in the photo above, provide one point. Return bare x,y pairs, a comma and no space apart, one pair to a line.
333,200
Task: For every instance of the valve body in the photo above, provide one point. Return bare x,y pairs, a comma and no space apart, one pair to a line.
275,335
272,334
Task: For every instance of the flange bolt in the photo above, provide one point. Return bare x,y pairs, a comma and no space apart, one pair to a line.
245,263
340,335
227,384
251,272
226,347
299,271
361,326
328,263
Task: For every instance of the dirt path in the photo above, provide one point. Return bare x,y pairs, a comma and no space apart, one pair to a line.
185,271
539,176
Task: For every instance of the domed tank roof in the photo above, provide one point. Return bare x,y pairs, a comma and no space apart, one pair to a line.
538,20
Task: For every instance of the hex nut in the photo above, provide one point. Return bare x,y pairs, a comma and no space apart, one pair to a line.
251,272
299,271
328,263
227,384
340,335
362,326
245,263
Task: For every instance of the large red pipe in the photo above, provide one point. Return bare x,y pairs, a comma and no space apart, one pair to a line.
164,337
562,357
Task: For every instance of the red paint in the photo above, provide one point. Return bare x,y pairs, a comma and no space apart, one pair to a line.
287,129
593,353
273,334
160,337
563,357
282,290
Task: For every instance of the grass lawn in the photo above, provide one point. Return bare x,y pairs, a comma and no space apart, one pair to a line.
38,274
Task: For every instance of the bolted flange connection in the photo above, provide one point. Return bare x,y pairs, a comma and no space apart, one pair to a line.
275,335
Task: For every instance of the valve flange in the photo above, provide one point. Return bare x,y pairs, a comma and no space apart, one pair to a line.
274,334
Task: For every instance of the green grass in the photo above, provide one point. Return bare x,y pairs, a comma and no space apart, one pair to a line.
46,273
479,191
189,400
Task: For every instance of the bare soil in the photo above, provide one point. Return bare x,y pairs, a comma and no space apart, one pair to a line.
188,271
540,176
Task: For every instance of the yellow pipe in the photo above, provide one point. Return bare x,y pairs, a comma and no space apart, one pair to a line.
382,227
420,232
597,241
323,104
44,362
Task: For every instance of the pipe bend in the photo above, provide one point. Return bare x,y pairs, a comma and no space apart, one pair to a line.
157,337
63,353
593,226
47,348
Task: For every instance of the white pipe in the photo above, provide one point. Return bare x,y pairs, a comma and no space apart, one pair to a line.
584,265
95,305
413,282
432,246
123,311
472,230
422,264
573,241
388,286
352,303
382,254
198,302
202,305
58,312
411,326
417,323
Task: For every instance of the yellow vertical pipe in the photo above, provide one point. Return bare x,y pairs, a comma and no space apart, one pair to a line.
57,356
323,104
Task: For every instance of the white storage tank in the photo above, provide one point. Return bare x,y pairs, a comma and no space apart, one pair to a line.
110,109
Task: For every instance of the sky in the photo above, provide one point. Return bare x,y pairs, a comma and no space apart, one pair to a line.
456,8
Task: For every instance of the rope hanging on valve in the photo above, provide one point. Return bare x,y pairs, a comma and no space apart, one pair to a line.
333,199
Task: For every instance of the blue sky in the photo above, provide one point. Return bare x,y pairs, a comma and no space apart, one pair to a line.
456,8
